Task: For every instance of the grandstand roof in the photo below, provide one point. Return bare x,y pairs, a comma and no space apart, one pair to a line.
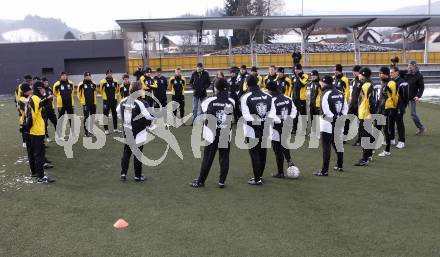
271,22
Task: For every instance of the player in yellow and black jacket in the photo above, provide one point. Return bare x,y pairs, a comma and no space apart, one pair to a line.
366,103
315,98
17,91
124,88
26,92
35,128
341,82
177,85
254,71
109,89
87,91
272,76
63,90
389,100
284,83
48,110
299,95
149,85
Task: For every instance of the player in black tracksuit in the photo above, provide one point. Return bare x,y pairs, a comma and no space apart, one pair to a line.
299,96
333,106
129,111
161,91
63,89
48,110
177,85
221,106
353,107
285,109
403,92
315,99
257,106
124,88
109,89
234,90
87,90
241,80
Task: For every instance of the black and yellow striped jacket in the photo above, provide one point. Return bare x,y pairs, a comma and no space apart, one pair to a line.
285,85
17,93
343,84
109,90
21,106
269,78
87,91
177,85
64,92
124,90
34,118
299,86
389,96
148,83
366,100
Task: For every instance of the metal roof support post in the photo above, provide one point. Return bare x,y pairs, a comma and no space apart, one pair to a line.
252,33
305,34
303,46
357,59
425,54
414,31
230,50
358,30
199,42
405,45
145,54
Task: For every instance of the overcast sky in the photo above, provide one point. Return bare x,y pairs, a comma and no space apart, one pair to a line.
88,15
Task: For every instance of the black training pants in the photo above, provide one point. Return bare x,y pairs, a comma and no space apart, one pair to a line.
125,161
366,153
327,141
258,159
36,155
281,154
180,99
87,111
110,106
400,126
389,129
65,110
208,158
49,115
301,107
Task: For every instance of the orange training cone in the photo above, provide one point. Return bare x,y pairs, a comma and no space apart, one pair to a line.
121,223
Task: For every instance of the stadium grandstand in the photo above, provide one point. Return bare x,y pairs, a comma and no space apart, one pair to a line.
412,26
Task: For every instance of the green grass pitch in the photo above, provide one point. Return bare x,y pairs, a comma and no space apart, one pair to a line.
391,208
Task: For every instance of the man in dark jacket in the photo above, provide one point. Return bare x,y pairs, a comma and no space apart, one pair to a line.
354,101
200,81
416,87
138,73
161,91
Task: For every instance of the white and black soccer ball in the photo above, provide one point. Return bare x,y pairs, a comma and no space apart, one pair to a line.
293,172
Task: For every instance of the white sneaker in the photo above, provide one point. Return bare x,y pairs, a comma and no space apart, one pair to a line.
393,142
24,145
107,132
384,154
48,140
117,131
400,145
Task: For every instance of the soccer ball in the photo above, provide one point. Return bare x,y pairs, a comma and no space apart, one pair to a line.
293,172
